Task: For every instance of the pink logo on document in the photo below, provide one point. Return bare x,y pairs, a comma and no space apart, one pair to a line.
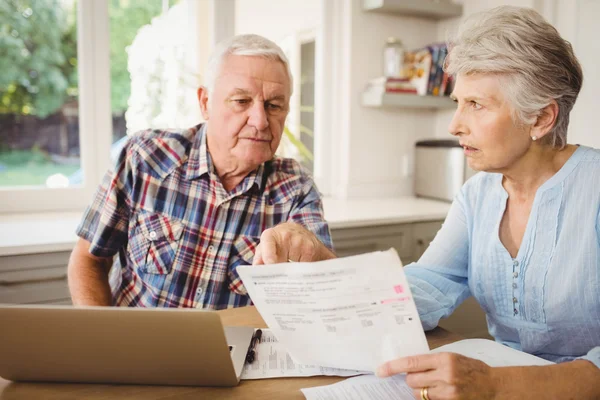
398,289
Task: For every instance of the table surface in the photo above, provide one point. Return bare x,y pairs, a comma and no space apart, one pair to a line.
279,388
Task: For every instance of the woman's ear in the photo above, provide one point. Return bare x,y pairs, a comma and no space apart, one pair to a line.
203,101
545,121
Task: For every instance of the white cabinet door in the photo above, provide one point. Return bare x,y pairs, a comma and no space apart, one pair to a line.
353,241
423,235
34,279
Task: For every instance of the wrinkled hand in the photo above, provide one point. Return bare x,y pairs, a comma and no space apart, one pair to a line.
447,376
290,242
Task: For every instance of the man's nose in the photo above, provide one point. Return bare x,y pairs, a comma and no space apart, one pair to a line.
258,117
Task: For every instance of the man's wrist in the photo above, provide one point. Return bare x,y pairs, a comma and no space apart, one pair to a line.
325,253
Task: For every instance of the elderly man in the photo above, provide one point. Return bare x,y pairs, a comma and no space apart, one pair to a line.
184,208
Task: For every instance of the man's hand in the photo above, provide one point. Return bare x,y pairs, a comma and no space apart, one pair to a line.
290,242
447,376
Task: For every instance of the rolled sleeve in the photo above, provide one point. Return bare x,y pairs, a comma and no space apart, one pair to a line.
105,222
309,213
593,356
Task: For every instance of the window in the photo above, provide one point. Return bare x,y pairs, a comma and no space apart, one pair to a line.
80,75
39,124
307,98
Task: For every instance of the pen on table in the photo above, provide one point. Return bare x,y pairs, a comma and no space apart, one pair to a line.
251,354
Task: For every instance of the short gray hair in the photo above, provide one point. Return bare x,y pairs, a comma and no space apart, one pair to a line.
244,45
538,64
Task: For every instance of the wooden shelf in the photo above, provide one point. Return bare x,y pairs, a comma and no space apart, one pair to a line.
402,100
419,8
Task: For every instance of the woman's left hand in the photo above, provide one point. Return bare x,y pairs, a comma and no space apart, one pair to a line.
447,376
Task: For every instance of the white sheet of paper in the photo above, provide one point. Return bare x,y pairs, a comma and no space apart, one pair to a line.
370,387
273,361
492,353
350,313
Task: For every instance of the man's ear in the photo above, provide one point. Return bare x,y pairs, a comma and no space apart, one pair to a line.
203,101
545,121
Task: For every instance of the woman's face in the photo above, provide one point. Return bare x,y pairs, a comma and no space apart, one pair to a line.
482,122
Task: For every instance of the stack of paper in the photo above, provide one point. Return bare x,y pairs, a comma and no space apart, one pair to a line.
273,361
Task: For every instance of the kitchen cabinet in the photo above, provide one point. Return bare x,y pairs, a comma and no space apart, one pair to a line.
409,239
34,278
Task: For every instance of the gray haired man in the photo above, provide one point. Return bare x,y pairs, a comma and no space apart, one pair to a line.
184,208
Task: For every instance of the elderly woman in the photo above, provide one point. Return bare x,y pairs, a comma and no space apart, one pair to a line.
523,237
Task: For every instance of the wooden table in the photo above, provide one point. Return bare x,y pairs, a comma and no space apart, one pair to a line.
282,388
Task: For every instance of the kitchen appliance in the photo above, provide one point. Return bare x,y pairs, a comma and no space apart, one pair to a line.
440,169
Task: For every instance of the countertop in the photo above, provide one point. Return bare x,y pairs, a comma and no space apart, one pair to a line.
356,213
51,232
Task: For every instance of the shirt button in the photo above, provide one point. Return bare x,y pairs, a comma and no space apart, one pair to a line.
152,235
515,274
515,300
514,285
516,263
211,247
515,311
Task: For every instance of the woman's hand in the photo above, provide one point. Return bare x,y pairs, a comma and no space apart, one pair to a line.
447,376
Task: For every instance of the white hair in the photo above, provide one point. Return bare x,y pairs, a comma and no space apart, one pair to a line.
537,64
244,45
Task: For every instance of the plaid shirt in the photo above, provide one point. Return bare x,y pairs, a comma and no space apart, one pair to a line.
179,234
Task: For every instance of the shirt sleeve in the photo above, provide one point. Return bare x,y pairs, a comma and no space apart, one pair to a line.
438,280
593,356
309,213
105,222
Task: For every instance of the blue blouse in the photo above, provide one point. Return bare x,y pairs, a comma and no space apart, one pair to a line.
546,300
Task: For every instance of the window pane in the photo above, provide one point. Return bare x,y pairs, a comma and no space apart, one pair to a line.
39,124
307,99
152,83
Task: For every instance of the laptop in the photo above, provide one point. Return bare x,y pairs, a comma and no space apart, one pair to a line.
120,345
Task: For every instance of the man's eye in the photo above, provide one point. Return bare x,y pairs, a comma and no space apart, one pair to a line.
241,101
475,105
271,106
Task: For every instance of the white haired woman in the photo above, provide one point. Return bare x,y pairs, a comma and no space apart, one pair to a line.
523,237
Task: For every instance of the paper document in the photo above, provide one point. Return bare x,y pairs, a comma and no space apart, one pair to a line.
273,361
350,313
370,387
492,353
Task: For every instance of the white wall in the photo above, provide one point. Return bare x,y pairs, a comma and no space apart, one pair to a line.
381,141
580,26
276,19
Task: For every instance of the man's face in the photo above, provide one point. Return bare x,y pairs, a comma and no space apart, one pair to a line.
246,112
